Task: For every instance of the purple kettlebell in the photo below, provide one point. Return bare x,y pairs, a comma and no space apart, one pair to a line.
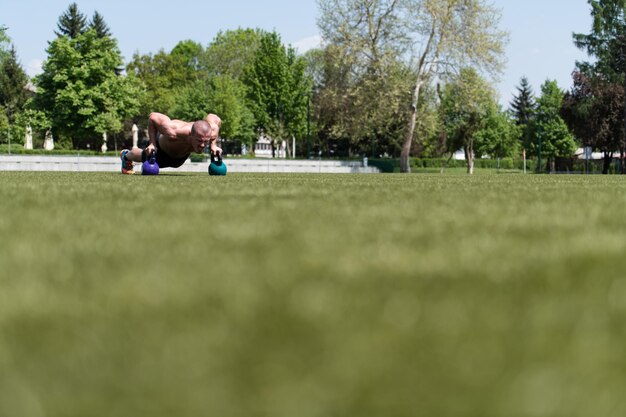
150,166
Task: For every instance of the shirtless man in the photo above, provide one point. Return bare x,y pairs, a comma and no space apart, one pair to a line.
174,141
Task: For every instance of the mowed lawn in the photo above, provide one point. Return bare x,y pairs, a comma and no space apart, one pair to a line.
312,295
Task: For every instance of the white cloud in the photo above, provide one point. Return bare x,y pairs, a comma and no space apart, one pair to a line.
307,44
34,67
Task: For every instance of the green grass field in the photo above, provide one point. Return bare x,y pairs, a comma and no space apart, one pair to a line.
312,295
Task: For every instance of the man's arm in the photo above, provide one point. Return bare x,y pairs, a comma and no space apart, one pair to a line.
161,123
216,123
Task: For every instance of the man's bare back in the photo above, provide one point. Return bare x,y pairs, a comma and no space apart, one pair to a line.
176,144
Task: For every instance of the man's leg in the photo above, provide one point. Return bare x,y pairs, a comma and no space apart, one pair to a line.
128,157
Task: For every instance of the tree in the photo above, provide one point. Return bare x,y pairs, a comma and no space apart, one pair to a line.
154,72
499,138
593,109
164,74
360,112
466,104
231,52
523,107
5,42
553,136
437,37
13,80
99,25
72,23
184,63
221,95
79,90
607,43
277,89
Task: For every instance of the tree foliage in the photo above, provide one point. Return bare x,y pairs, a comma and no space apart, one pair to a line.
593,108
98,24
607,44
72,22
607,40
221,95
553,136
277,88
5,42
434,37
165,74
364,114
500,136
13,80
523,107
79,89
231,52
467,103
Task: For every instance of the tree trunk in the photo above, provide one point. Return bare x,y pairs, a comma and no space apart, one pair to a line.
408,138
623,162
608,157
469,157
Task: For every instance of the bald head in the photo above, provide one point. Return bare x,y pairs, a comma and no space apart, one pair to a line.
201,128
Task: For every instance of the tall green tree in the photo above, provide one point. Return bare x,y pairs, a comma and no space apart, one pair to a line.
523,108
184,63
221,95
437,37
466,104
13,80
593,109
606,43
79,90
500,136
72,22
164,74
231,52
278,89
5,42
360,105
154,71
553,136
98,24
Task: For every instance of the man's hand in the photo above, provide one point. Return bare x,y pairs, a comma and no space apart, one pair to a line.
215,150
150,149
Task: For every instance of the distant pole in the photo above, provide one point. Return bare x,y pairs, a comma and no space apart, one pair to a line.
539,160
9,136
308,124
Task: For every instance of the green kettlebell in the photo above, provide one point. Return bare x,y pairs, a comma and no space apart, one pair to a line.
217,167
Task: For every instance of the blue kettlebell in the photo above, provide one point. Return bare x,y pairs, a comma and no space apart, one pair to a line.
150,166
217,167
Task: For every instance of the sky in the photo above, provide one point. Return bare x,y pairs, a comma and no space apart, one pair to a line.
540,31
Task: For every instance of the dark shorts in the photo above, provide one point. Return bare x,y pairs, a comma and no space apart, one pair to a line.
164,160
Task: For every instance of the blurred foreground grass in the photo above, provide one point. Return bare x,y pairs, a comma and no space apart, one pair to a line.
311,295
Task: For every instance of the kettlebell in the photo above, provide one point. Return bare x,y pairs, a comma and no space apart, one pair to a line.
150,166
217,167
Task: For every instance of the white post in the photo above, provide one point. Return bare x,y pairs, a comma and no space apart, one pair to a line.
135,130
48,143
28,138
293,148
103,148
